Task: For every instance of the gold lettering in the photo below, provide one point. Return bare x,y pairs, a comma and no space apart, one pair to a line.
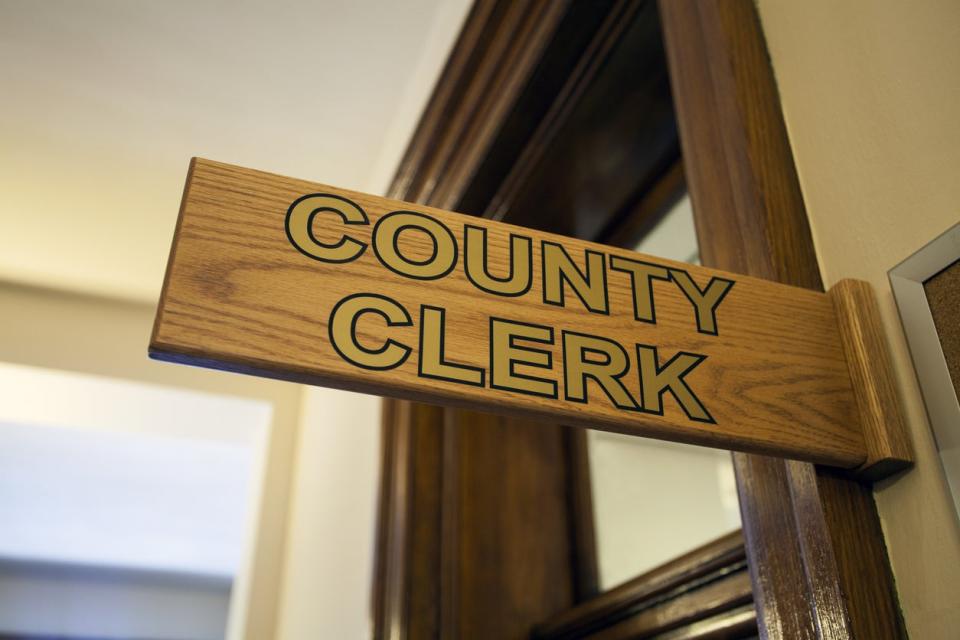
475,255
655,380
606,372
432,363
343,331
559,267
299,225
704,302
641,276
386,244
505,354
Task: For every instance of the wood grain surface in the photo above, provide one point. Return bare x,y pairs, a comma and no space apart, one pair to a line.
719,597
889,449
677,580
239,296
815,547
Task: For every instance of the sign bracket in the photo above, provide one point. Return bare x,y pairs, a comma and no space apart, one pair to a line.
871,373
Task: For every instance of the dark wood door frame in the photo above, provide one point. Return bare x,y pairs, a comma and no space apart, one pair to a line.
704,593
442,469
814,545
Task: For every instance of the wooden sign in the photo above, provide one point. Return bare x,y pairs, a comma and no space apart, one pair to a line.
296,280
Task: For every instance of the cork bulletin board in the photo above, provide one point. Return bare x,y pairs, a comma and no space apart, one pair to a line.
943,296
926,287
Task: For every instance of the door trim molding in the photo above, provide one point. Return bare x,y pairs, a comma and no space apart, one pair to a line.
815,548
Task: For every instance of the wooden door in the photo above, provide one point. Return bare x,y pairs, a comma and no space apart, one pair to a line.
485,522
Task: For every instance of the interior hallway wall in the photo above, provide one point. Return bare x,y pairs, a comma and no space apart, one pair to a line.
109,337
330,544
365,130
871,95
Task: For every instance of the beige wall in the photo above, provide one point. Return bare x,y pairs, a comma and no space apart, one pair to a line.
108,337
332,525
871,95
309,568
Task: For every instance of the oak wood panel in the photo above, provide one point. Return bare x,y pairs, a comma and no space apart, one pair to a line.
238,295
736,151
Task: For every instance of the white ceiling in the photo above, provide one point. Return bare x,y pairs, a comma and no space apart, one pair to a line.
104,102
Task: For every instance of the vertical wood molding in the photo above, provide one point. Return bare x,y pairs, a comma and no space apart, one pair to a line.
584,564
406,598
440,574
450,514
817,558
736,152
497,51
595,119
616,21
387,575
